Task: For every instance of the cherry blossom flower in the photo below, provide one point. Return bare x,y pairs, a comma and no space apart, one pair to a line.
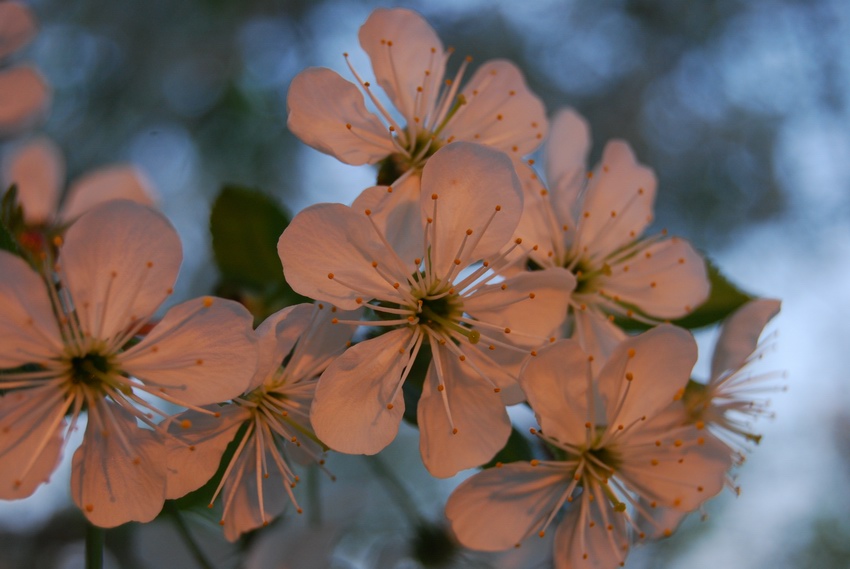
23,93
69,346
591,223
494,108
616,459
450,296
271,416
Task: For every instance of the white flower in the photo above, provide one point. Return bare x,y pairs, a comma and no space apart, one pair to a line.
23,93
449,295
617,461
66,350
591,223
494,108
269,424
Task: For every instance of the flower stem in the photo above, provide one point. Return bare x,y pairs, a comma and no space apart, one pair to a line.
188,539
94,546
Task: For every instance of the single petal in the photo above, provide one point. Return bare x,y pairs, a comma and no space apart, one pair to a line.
597,335
321,341
276,336
197,445
477,206
501,366
119,263
116,182
31,428
479,425
533,304
406,54
645,373
555,382
330,252
38,169
591,535
23,97
667,279
740,335
566,156
17,27
203,351
119,472
328,113
28,329
499,507
500,111
357,408
395,210
617,203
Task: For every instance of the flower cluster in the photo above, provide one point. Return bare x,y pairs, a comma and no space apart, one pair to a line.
464,282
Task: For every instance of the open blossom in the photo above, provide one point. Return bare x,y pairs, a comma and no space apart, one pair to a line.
271,422
591,223
67,347
23,93
617,461
494,107
450,296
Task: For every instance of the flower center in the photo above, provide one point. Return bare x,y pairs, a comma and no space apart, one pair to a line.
443,313
395,165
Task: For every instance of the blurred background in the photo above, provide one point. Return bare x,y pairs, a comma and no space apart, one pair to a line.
742,108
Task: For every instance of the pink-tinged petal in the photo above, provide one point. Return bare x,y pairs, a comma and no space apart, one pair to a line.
499,507
406,54
667,279
479,425
597,336
645,373
31,427
477,189
198,443
119,472
330,252
203,351
23,97
117,182
320,343
501,366
740,335
28,329
618,201
38,169
533,305
583,538
357,408
119,263
500,111
566,156
17,27
395,210
276,336
328,113
555,382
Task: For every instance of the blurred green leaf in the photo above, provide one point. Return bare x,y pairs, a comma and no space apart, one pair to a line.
11,215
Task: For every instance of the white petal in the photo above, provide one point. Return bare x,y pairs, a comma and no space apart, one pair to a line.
497,508
477,189
117,182
23,97
31,421
406,53
668,279
276,336
38,169
478,415
198,443
597,335
740,335
591,546
321,342
322,105
112,483
17,27
500,111
119,262
332,239
659,363
618,201
203,351
28,329
566,156
555,382
395,210
350,412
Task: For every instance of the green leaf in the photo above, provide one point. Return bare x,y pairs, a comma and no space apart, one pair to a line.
246,225
11,215
516,449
